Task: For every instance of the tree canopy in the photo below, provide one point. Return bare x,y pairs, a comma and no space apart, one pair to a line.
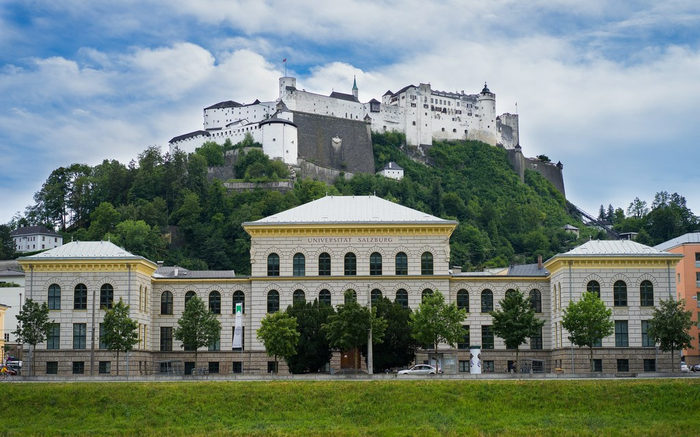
670,325
198,327
278,332
33,323
119,330
313,351
515,321
588,321
436,321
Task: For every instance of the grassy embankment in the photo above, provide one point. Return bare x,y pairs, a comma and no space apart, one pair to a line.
608,407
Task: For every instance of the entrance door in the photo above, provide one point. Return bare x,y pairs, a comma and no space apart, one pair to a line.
349,359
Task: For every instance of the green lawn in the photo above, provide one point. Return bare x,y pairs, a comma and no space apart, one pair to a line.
603,407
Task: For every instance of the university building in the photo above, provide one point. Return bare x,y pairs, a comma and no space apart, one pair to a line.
320,250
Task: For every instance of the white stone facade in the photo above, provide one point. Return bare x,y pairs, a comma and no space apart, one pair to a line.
421,113
378,239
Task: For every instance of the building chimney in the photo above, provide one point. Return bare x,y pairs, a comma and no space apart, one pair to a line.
539,262
456,270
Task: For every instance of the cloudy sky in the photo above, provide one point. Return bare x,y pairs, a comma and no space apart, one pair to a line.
611,89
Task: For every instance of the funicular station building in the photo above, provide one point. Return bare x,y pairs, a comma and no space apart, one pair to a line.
319,251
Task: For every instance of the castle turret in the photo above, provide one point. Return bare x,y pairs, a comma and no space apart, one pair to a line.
487,116
354,87
287,84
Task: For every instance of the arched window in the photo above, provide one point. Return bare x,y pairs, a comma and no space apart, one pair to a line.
376,296
402,297
646,294
324,297
215,302
298,297
238,297
426,263
375,264
463,300
620,294
273,301
324,264
80,297
486,301
166,303
427,292
299,264
350,296
189,295
536,300
273,265
593,287
106,296
350,264
401,264
54,297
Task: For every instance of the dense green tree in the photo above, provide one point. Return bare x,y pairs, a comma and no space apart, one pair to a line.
670,326
212,152
588,322
515,321
436,321
278,332
103,220
33,326
197,327
397,348
139,238
119,330
313,351
348,328
7,244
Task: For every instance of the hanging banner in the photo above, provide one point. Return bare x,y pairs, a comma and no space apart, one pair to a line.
238,328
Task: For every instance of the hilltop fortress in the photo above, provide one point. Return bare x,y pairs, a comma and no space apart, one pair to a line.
334,131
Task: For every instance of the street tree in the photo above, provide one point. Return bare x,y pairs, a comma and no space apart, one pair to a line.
278,332
313,350
588,321
515,321
669,327
398,347
348,328
198,327
436,321
33,326
119,330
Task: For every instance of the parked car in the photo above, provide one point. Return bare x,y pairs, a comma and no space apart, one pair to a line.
695,368
419,369
685,368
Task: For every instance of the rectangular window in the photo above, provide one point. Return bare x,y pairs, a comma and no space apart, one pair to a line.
464,344
271,367
646,340
488,366
213,367
53,339
52,367
79,335
697,279
105,367
649,365
233,330
621,333
237,367
166,339
623,365
102,344
597,365
464,365
78,367
487,337
536,341
216,345
189,368
697,259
